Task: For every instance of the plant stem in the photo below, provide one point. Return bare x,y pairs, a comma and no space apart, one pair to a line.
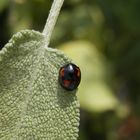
52,18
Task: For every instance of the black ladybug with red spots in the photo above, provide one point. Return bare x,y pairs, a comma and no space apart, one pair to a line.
69,76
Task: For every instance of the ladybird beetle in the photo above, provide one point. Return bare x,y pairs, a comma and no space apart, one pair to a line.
69,76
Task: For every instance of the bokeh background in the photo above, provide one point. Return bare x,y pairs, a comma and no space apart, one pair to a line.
103,38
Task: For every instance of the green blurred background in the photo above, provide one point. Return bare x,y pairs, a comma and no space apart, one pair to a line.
103,38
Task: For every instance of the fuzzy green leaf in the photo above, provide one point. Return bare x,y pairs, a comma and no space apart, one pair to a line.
33,106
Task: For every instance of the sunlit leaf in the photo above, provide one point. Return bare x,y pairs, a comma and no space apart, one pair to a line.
94,92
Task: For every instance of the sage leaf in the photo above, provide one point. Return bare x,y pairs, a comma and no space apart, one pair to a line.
33,105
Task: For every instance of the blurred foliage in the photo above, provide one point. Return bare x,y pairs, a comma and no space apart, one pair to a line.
94,91
103,38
